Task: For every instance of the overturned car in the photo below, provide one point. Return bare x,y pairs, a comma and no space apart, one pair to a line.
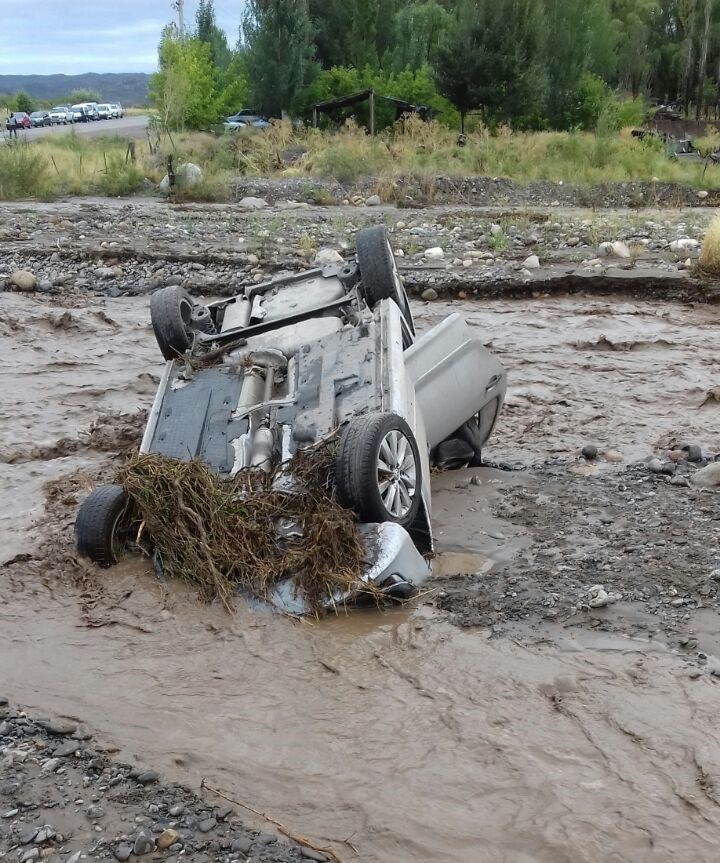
299,359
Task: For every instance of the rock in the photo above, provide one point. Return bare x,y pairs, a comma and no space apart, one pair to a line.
702,194
207,825
177,810
174,280
251,203
70,747
618,249
23,280
684,244
707,477
326,257
694,452
44,834
148,776
167,838
94,812
122,852
31,855
680,480
435,253
655,465
613,456
573,241
475,480
241,844
373,201
106,272
598,596
50,766
429,294
223,812
187,174
311,854
27,835
495,230
532,262
589,451
75,857
144,843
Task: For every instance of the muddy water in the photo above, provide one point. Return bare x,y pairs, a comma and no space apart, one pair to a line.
415,740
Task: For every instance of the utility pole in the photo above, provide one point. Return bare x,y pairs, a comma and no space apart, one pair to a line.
179,6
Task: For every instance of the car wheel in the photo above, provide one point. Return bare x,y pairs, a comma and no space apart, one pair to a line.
99,524
175,317
378,271
378,470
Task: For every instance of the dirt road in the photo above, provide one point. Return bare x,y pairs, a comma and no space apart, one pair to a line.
127,127
498,717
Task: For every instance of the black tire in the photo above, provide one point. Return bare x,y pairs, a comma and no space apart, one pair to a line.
98,524
171,311
358,475
378,273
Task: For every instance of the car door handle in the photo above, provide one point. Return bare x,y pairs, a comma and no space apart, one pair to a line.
494,381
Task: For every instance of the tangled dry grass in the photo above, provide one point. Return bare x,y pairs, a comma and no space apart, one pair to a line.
709,261
222,535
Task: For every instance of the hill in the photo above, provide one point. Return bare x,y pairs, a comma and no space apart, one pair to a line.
129,88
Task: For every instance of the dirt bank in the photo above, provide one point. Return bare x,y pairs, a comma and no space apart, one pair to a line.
498,716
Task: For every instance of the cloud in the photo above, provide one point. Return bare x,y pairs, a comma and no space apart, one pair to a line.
44,37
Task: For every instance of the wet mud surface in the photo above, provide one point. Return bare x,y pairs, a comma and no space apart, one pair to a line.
498,717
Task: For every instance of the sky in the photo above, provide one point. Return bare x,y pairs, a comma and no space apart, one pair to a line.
46,37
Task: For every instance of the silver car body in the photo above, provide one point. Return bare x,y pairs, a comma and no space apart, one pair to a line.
313,356
62,114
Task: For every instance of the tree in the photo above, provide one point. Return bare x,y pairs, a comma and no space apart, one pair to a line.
278,52
23,102
183,89
419,31
83,95
207,31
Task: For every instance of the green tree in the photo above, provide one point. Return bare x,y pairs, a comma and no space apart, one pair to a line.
419,31
23,102
207,31
83,95
183,89
279,52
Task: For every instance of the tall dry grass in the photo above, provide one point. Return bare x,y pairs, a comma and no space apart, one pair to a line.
709,260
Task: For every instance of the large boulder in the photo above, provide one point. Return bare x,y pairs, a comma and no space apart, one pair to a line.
187,175
23,280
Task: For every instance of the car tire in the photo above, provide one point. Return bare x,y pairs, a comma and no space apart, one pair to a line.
378,472
98,524
171,312
378,271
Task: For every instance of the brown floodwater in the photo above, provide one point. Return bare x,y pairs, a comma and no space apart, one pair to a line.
411,738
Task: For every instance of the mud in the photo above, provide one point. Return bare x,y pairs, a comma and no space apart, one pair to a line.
538,729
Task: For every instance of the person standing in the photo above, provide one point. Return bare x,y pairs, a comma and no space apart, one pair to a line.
12,125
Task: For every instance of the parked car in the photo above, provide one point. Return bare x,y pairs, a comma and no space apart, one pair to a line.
290,361
40,118
62,114
246,117
90,109
104,111
19,120
80,115
117,110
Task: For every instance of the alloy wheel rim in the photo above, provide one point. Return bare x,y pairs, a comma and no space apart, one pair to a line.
396,474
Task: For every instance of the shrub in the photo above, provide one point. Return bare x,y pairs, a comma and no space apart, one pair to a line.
709,261
120,177
23,172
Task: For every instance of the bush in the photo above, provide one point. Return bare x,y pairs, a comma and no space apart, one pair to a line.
709,261
120,177
23,172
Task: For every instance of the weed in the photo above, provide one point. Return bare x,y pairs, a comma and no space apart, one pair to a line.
709,261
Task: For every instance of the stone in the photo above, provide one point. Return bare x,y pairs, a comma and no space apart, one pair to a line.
589,451
598,596
326,257
684,244
223,812
573,241
251,203
618,249
373,201
148,776
187,174
429,294
144,844
167,838
680,480
435,253
70,747
702,194
694,452
495,230
707,477
122,852
655,465
75,857
207,825
106,272
174,280
44,834
50,766
312,854
177,810
532,262
613,456
23,280
241,844
31,855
